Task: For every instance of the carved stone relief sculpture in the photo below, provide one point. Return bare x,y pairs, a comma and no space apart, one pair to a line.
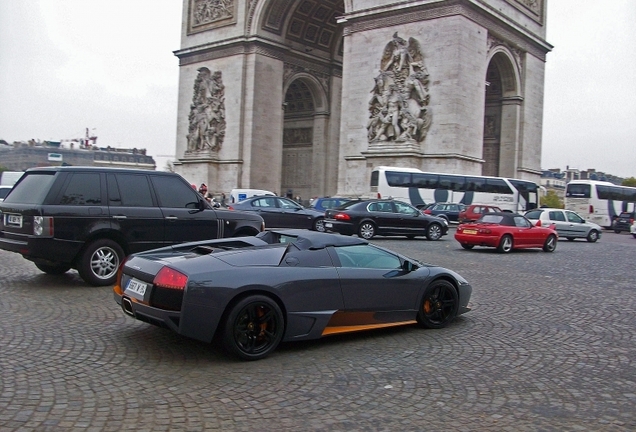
207,112
207,14
398,108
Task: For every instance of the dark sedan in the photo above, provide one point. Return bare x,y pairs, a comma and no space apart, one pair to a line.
383,217
293,285
279,212
448,211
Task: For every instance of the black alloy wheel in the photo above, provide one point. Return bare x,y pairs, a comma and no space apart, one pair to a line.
319,225
434,231
53,269
550,243
100,261
366,230
439,306
254,328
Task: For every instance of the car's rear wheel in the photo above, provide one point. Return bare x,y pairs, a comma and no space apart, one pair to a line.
100,261
505,244
319,225
439,306
366,230
550,243
592,236
467,246
617,231
53,269
434,231
254,328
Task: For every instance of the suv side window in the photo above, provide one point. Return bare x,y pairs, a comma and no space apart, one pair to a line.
173,193
82,189
134,190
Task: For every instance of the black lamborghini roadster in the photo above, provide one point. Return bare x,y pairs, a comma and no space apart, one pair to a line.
285,285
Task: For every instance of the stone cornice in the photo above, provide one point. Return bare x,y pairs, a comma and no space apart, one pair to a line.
254,45
424,10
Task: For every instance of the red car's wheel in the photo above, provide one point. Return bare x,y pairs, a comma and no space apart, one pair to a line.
550,244
254,328
467,246
439,305
505,244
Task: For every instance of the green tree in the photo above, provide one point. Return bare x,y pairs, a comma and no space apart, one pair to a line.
552,200
629,182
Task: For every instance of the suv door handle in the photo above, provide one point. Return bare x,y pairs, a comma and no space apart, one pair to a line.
119,217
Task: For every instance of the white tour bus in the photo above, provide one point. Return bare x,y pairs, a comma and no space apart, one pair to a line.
418,188
599,201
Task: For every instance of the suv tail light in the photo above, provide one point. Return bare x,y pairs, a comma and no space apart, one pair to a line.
427,211
379,195
171,279
43,226
591,209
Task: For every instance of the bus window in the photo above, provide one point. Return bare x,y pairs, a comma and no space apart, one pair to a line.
451,182
579,190
495,185
428,181
398,179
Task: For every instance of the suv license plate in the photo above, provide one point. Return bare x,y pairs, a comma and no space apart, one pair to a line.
13,220
136,288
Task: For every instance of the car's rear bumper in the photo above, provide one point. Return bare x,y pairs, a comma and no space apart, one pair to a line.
346,228
477,240
41,249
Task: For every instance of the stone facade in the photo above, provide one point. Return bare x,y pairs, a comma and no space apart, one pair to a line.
317,93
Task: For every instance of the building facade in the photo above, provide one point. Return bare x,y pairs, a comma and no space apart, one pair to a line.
306,97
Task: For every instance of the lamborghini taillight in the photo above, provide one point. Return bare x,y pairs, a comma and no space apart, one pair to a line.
171,279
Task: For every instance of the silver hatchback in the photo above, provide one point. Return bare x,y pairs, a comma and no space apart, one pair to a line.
569,224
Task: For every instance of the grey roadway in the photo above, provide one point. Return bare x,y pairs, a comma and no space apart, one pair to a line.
550,345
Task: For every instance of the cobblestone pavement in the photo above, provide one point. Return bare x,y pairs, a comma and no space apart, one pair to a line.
549,345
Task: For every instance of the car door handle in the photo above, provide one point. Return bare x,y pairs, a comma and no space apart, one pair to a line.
172,217
119,217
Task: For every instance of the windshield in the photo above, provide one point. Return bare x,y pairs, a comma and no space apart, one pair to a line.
578,190
31,189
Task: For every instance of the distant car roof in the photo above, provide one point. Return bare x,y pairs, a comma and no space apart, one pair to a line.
306,239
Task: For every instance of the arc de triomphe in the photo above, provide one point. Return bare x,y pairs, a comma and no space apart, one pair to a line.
307,96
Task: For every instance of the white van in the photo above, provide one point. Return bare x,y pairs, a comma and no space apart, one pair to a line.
241,194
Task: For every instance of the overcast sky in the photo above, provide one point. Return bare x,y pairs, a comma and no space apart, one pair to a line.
107,65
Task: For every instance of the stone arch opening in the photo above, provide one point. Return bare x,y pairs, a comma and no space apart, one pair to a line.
302,137
501,116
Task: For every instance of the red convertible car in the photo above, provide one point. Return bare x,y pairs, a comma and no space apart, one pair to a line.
506,231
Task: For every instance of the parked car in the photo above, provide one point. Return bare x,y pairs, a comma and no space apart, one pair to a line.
569,225
448,211
383,217
4,191
90,218
324,203
279,212
623,222
506,231
632,229
238,195
293,285
475,211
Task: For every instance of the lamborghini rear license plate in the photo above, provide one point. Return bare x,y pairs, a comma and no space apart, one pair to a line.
470,231
136,287
13,220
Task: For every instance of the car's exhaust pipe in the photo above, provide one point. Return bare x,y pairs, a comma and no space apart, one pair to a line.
126,305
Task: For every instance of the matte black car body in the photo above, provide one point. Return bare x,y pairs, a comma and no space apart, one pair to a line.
90,218
383,217
292,285
279,212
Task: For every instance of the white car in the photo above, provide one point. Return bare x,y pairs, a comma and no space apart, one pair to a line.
569,224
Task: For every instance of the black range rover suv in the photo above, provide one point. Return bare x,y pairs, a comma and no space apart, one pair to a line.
90,218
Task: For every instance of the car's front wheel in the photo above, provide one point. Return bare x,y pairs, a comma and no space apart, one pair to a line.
505,244
100,261
366,230
319,225
439,306
434,231
53,269
254,328
592,236
550,244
